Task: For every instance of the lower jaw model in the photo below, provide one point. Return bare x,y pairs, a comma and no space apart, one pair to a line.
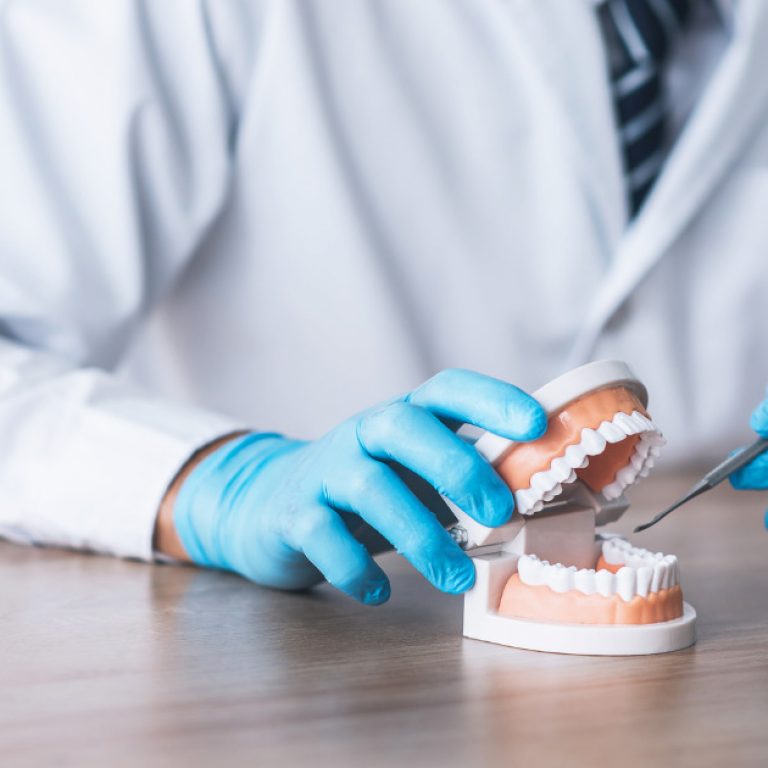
627,585
548,580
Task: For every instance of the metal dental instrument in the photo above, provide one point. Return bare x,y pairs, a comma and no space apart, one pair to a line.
713,477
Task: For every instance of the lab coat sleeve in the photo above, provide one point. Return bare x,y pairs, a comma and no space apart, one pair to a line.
116,126
85,460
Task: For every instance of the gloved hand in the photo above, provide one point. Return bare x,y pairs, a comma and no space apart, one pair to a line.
755,475
274,509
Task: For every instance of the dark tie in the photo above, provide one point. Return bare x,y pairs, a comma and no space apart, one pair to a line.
638,36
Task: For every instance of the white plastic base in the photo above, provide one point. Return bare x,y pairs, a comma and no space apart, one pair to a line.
482,622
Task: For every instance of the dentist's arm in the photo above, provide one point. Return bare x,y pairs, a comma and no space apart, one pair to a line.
755,475
282,512
117,125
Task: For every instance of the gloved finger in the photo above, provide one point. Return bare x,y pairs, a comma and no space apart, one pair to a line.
759,420
486,402
419,441
320,533
754,476
375,492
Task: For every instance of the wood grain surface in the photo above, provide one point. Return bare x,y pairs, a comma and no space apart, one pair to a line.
115,663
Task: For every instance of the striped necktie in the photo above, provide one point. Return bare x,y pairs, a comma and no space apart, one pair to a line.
638,36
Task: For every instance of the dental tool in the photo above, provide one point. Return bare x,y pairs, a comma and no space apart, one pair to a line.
712,478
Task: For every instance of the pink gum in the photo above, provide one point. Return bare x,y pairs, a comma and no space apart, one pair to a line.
564,429
523,601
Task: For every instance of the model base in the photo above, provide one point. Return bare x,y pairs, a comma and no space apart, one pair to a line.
483,622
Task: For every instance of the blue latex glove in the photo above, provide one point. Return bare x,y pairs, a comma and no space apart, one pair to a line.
755,475
279,511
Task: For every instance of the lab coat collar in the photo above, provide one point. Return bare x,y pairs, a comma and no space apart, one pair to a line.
734,101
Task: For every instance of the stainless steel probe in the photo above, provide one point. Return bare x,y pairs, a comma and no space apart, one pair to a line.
712,478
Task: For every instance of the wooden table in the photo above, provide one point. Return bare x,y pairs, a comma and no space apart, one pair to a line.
114,663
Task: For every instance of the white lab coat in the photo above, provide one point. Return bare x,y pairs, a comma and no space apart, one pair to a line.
274,213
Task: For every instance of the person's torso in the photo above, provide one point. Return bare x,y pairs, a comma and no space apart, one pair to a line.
428,185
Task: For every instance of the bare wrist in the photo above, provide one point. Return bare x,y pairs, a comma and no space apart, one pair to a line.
166,541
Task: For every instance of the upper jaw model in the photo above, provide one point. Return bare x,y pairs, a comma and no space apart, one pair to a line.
547,580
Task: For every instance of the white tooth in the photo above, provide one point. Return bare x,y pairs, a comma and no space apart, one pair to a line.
613,490
640,558
521,506
626,476
643,446
644,576
559,578
611,432
618,486
575,455
556,491
624,423
543,482
584,581
605,582
625,583
646,468
659,576
655,578
592,442
664,575
525,500
525,565
637,460
560,469
571,478
614,542
673,570
647,424
629,425
531,570
612,554
537,507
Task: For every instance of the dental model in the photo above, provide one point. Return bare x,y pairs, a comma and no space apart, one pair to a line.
547,580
